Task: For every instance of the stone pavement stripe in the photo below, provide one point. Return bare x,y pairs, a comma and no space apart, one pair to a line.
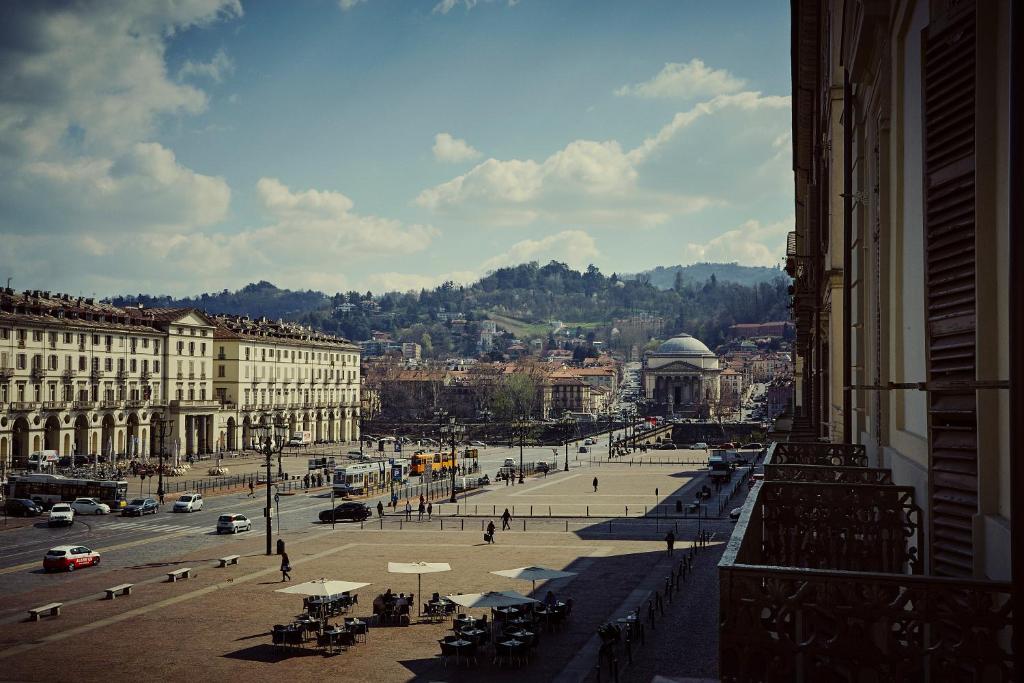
557,480
138,611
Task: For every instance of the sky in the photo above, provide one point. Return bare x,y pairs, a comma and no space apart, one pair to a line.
199,145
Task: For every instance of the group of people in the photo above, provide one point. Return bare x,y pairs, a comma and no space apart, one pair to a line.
316,480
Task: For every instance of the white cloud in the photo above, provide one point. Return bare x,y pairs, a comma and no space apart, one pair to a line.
586,182
451,149
752,244
80,99
325,218
216,69
405,282
346,5
446,6
692,79
573,247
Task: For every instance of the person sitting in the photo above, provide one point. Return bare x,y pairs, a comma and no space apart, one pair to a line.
550,600
388,596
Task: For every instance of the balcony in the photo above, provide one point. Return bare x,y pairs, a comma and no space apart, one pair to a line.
135,403
109,404
83,405
145,375
96,375
122,376
68,376
6,374
21,407
38,374
822,580
54,405
194,403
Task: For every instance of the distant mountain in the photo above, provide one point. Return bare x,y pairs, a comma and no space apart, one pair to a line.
255,300
664,277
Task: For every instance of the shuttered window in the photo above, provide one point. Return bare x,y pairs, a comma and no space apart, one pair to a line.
949,172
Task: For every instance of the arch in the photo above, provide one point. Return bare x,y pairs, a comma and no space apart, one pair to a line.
120,442
37,443
246,432
67,445
94,439
292,423
51,434
231,434
106,445
143,452
81,435
305,422
3,449
331,427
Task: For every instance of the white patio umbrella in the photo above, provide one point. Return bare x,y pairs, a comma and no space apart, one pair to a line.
322,587
534,574
418,568
490,599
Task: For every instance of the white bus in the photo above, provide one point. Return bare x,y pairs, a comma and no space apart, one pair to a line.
360,478
48,489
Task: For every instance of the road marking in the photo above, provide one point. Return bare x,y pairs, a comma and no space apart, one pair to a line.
558,480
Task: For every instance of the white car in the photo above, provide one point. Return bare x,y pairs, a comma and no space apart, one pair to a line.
699,446
232,524
61,514
189,502
90,506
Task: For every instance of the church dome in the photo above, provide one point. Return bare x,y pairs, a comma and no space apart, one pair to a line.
684,344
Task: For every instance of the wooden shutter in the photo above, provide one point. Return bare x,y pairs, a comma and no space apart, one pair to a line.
949,198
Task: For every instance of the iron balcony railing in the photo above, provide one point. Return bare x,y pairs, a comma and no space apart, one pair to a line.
822,580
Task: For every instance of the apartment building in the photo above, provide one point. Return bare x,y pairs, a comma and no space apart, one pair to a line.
83,377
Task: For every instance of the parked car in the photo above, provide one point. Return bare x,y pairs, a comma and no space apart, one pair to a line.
90,506
699,446
189,502
351,511
479,444
61,514
22,507
582,449
69,557
139,507
509,462
541,467
232,524
484,481
752,446
667,446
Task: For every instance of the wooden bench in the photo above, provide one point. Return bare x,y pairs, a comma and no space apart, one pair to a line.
123,589
230,559
183,573
53,609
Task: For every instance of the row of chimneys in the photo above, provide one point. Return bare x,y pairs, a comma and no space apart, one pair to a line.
41,294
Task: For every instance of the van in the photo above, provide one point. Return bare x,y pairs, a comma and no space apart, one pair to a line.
38,460
466,483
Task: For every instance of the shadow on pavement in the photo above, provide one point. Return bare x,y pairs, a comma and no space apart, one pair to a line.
270,654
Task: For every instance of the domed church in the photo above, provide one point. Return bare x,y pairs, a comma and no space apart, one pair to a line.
681,377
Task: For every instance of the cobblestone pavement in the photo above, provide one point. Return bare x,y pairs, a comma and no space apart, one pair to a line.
217,624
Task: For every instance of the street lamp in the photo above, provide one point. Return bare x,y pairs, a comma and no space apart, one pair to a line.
271,442
519,426
454,432
165,431
568,425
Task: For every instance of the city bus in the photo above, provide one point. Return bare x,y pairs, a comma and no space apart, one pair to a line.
364,477
47,489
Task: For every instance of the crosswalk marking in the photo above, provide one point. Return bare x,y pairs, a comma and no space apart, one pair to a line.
150,526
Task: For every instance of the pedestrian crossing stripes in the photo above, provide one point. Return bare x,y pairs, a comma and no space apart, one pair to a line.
150,526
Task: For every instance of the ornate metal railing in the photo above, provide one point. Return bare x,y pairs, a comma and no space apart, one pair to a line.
802,598
811,453
828,475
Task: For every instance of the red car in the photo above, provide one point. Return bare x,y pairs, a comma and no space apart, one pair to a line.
69,558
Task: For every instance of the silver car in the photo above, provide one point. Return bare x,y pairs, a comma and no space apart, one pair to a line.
232,524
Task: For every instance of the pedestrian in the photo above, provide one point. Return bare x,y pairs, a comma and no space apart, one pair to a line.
505,517
380,509
489,536
305,481
422,509
286,567
655,491
408,511
252,489
595,484
506,479
430,510
670,541
161,496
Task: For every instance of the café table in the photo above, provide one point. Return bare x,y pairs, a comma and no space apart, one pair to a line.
358,626
513,647
459,646
474,634
334,636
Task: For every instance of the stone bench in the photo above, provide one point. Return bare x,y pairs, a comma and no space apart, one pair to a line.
230,559
53,609
123,589
183,573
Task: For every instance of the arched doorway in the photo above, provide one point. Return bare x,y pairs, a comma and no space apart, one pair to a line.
143,453
291,424
247,432
67,445
318,431
231,434
19,440
51,434
3,449
134,445
81,435
305,422
107,436
332,435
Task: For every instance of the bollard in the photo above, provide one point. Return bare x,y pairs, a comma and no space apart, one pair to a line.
531,511
442,523
382,524
481,525
524,524
588,511
549,510
399,525
463,524
567,526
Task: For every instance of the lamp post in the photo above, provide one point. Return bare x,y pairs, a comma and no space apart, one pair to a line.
519,427
165,431
453,431
271,442
568,427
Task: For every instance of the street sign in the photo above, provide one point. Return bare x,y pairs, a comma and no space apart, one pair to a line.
277,497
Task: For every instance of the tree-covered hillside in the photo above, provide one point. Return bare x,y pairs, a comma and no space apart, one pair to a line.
665,277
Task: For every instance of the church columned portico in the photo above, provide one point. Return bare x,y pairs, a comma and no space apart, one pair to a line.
681,377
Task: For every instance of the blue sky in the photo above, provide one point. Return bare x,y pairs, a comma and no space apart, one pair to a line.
381,144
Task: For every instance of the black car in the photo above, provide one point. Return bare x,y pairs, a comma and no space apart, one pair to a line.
139,507
22,507
350,511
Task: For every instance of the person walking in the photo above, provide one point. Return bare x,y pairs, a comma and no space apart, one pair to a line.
505,517
421,510
161,497
595,484
286,568
430,511
670,541
489,536
380,509
252,489
408,511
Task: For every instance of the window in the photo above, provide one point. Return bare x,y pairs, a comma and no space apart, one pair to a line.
37,335
83,363
132,365
5,333
178,393
202,348
145,343
220,370
120,364
96,364
181,347
247,353
21,363
53,362
108,364
145,366
202,393
191,393
68,362
191,348
52,338
109,341
156,346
